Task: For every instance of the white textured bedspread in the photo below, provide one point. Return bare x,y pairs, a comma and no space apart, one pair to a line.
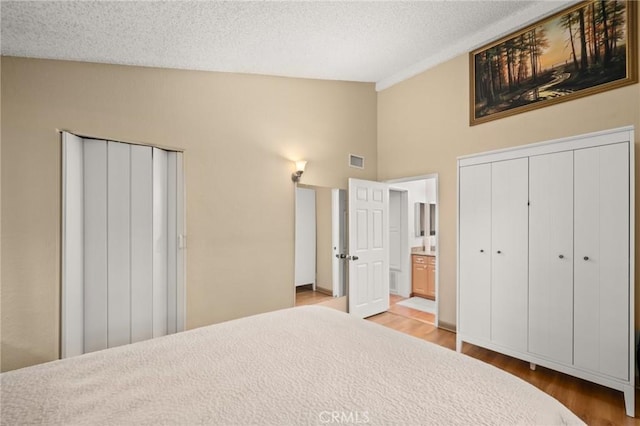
308,365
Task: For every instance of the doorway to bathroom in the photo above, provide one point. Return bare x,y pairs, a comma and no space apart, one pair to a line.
413,254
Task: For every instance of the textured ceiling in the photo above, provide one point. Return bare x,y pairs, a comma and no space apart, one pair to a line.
381,42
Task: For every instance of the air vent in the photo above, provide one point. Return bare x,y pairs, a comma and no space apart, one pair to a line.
356,161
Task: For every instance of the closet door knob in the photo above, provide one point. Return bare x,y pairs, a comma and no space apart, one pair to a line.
561,256
498,252
586,258
481,251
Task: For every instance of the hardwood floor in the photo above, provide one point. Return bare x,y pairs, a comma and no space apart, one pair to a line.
409,312
306,296
596,405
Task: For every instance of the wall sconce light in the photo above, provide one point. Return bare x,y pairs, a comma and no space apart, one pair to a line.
300,165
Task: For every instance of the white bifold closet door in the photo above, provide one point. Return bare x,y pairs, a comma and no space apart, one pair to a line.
123,269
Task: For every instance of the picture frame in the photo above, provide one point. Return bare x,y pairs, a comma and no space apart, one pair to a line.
588,48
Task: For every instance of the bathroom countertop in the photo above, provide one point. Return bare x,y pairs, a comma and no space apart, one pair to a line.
424,253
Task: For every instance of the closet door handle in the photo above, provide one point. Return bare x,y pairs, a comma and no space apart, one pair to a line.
561,256
498,252
586,258
481,251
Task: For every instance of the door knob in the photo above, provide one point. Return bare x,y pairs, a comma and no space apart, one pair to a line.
498,252
561,256
586,258
352,257
481,251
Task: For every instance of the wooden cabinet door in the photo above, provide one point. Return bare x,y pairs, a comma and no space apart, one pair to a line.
551,256
431,278
601,267
474,268
509,252
419,279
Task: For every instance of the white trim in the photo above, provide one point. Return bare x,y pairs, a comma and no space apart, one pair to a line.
522,19
587,140
603,380
632,256
413,178
458,336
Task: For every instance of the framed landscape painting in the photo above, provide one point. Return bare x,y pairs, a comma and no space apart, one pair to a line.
585,49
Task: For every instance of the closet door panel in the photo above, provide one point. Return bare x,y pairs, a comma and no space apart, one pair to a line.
95,245
119,243
601,326
181,231
509,252
141,243
475,251
72,273
551,256
172,242
159,242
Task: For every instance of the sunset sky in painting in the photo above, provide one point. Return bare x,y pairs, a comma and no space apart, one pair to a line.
559,50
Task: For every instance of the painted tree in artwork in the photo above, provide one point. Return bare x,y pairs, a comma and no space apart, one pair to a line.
567,22
580,48
583,41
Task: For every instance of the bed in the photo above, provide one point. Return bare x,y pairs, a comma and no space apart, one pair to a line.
306,365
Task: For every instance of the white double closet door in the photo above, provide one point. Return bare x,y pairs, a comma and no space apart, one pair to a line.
544,255
579,258
122,254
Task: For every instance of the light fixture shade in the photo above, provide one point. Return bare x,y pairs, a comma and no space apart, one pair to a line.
300,165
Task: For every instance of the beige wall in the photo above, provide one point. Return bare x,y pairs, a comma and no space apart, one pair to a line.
423,125
240,134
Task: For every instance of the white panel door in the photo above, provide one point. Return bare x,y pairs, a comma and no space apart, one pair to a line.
118,243
509,252
551,256
475,251
305,237
601,324
368,247
95,246
141,243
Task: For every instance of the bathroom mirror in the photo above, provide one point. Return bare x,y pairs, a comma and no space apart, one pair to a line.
432,218
420,218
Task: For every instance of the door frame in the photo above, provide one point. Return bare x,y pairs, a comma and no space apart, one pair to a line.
434,176
404,284
339,239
